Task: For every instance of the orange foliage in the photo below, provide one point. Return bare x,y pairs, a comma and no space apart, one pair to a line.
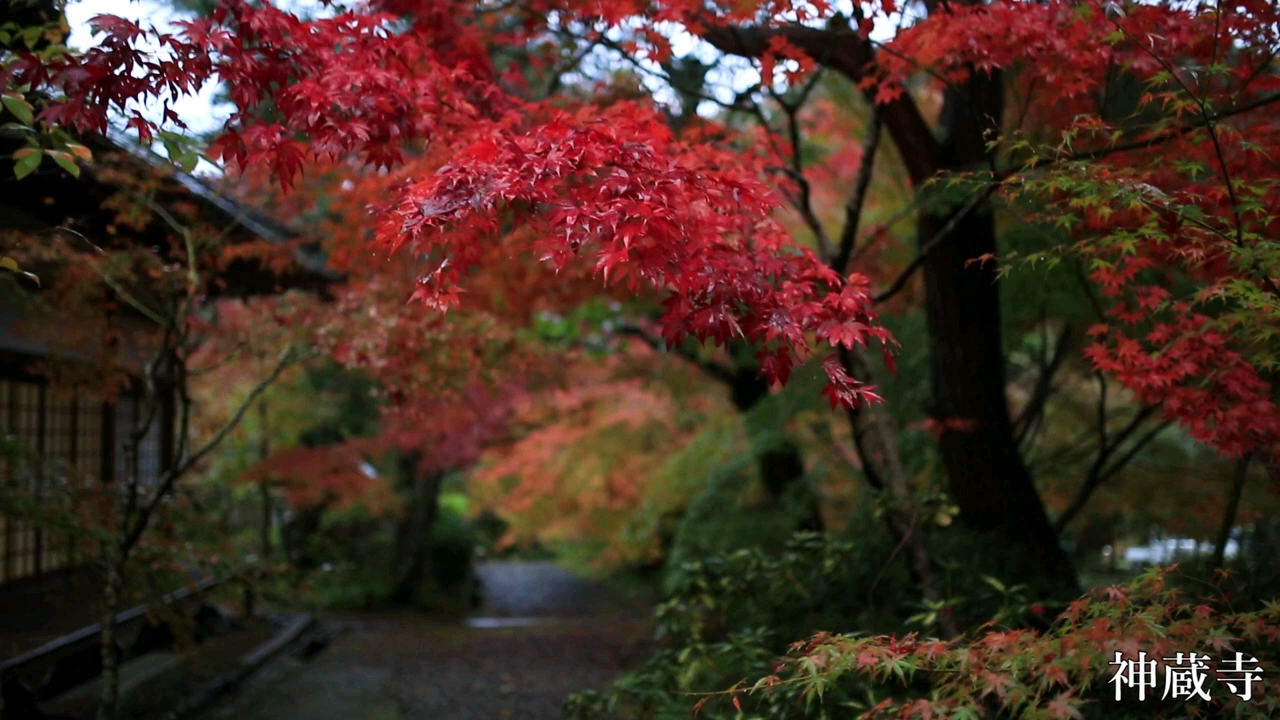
337,475
582,465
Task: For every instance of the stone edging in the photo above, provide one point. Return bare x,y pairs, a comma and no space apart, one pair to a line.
207,692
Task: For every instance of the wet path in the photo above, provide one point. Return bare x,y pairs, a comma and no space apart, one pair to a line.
525,589
407,666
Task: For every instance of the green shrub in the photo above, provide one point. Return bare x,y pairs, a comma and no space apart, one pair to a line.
449,585
741,642
453,543
729,616
353,575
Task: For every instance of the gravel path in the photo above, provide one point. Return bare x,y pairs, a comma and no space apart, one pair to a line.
405,666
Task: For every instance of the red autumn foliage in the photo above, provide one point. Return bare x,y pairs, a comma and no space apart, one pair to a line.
444,432
1058,673
584,457
610,184
336,475
611,190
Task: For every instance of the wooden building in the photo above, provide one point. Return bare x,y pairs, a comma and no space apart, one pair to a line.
75,432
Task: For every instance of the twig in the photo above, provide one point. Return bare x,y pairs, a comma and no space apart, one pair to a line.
719,371
1034,410
861,183
286,358
901,281
1097,474
804,203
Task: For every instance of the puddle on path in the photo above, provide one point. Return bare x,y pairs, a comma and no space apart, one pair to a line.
485,623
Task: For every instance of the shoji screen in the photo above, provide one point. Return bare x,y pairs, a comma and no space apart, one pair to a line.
56,439
22,554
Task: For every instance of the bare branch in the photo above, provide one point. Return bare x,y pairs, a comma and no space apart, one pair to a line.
849,54
1099,473
289,356
719,371
1034,411
901,281
557,72
128,297
231,357
1138,444
861,183
875,439
605,42
181,466
803,203
902,214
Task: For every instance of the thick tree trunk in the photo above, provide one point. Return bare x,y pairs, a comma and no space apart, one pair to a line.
987,476
781,466
414,533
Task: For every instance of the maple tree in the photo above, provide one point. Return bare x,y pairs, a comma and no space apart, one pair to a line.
424,359
585,458
726,200
1138,132
436,402
502,301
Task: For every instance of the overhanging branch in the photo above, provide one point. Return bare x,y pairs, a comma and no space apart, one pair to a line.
861,183
719,371
849,54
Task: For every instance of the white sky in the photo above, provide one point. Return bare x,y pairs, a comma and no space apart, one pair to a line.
202,114
199,112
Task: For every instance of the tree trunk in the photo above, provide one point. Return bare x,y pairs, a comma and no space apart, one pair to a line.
264,493
126,499
264,490
876,441
414,533
110,678
987,476
781,466
1233,506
